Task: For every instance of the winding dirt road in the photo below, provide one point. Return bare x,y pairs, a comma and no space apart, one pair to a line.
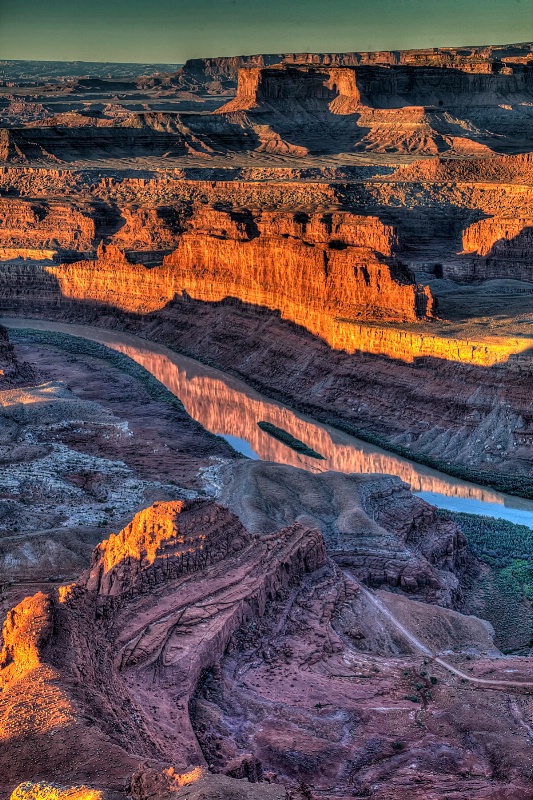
422,648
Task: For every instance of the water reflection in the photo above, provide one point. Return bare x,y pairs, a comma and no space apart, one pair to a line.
228,407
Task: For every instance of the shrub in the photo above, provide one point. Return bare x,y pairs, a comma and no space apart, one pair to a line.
398,745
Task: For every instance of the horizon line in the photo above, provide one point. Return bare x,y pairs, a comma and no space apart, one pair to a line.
243,55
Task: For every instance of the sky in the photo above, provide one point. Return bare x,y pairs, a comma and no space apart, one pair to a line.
170,31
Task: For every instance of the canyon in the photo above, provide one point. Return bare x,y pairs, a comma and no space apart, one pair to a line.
348,239
149,673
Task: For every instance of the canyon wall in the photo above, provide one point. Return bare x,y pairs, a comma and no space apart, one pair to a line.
39,229
377,86
77,664
220,75
305,266
438,218
496,243
384,109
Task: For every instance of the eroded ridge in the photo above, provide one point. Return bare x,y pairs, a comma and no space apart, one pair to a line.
207,654
100,673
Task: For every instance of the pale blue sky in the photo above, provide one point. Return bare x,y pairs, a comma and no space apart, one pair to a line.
174,30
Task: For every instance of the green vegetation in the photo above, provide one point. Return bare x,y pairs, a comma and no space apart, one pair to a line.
503,593
420,685
398,746
289,440
519,485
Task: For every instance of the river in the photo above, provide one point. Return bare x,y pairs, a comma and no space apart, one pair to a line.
228,407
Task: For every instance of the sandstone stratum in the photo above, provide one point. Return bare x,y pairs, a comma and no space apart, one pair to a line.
132,678
241,217
193,607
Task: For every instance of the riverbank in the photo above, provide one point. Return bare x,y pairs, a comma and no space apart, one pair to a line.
226,406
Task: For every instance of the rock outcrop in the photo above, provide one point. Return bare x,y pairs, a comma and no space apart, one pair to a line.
38,230
311,268
240,672
53,791
163,543
161,599
8,361
370,523
493,246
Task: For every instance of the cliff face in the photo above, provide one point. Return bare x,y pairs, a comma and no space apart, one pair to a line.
494,244
12,371
8,363
166,594
502,169
378,87
301,264
38,229
220,75
293,86
432,207
143,136
402,108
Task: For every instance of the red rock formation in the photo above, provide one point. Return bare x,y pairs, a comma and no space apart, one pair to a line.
166,595
38,229
504,169
160,544
257,665
309,267
285,84
502,248
487,235
426,105
53,791
401,109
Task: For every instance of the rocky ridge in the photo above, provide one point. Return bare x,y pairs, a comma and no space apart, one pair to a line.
95,619
370,523
190,644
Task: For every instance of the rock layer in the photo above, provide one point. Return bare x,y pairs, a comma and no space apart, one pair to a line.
315,266
257,660
171,618
371,524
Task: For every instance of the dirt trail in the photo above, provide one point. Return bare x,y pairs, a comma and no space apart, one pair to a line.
422,648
